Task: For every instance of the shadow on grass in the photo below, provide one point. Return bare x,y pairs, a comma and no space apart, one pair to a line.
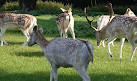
14,31
29,54
13,43
35,76
45,76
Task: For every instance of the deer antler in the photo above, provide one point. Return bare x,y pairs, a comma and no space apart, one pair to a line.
110,9
90,22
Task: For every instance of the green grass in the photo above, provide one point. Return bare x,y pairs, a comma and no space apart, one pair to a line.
29,63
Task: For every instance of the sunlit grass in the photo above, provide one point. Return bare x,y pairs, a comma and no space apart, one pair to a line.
29,63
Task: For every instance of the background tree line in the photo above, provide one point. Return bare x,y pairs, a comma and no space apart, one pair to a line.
31,4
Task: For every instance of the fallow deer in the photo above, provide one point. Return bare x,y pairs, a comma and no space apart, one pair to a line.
104,19
63,52
64,22
119,27
25,22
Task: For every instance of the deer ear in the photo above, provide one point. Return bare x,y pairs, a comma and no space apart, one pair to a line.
128,9
41,30
35,28
63,10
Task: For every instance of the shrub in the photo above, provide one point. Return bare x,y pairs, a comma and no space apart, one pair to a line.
97,8
52,5
10,6
117,9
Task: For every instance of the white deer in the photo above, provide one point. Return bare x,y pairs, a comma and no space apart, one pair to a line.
119,27
104,19
64,22
25,22
62,52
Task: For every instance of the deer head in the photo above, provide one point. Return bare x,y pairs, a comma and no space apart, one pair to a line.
129,12
34,35
67,11
92,27
99,33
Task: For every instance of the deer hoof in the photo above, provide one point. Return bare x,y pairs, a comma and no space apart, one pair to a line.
111,56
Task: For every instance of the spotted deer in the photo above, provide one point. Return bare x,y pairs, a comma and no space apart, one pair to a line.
104,19
25,22
64,22
119,27
63,52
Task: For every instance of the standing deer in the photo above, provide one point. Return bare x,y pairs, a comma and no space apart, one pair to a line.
64,22
119,27
104,19
62,52
25,22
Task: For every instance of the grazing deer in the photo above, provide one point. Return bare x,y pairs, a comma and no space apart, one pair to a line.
119,27
104,19
63,52
25,22
64,22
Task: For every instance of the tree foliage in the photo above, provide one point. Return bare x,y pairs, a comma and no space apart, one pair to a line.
31,4
3,1
85,3
27,4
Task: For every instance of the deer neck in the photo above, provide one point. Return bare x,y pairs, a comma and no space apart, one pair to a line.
103,33
69,17
41,41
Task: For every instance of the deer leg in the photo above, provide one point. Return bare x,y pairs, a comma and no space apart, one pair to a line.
65,33
53,72
121,46
109,52
111,38
60,31
132,42
2,37
72,32
26,33
61,34
112,43
103,43
82,72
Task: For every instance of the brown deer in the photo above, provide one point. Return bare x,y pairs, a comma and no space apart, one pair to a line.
119,27
104,19
64,22
25,22
62,52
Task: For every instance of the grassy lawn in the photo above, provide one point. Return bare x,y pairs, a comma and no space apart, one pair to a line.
29,63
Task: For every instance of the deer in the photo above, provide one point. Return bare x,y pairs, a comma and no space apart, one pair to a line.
64,52
64,22
104,19
25,22
119,27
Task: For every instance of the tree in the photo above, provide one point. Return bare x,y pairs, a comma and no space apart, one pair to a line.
27,4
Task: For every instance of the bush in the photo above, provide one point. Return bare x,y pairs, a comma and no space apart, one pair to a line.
10,6
117,9
43,6
52,5
97,8
39,12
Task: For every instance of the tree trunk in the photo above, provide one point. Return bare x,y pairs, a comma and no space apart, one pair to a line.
27,4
